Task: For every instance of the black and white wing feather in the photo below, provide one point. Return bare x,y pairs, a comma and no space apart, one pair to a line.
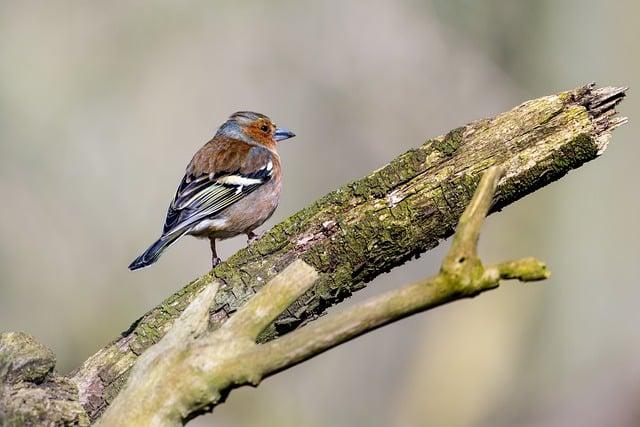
201,197
216,178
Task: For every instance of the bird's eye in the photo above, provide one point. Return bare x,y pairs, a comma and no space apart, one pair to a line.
264,128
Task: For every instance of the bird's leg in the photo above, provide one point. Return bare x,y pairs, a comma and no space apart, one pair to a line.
252,237
214,255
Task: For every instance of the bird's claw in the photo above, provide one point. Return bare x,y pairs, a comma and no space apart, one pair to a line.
252,237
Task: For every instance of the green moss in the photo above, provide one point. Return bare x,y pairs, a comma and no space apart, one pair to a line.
450,143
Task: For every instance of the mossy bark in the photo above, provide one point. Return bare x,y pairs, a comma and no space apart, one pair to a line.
367,227
31,393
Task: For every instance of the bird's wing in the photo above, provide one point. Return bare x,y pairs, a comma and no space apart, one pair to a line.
219,175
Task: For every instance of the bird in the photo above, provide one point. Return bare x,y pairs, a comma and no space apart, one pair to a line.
231,186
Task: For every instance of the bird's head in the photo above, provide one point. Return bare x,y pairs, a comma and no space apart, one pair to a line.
254,128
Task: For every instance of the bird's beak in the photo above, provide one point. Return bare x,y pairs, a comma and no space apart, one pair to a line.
281,134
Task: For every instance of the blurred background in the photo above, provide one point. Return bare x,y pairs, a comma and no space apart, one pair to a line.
102,105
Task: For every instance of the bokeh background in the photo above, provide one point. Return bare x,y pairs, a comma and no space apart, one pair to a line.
102,105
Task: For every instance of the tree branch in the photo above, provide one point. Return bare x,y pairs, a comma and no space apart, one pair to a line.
372,225
179,378
365,228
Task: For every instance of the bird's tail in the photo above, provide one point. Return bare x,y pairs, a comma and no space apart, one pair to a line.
154,251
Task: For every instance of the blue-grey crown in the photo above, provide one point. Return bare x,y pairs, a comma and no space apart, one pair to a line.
248,116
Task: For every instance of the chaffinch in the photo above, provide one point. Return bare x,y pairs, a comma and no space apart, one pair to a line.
231,186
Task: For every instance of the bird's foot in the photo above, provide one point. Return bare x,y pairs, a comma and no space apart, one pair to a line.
252,237
215,261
